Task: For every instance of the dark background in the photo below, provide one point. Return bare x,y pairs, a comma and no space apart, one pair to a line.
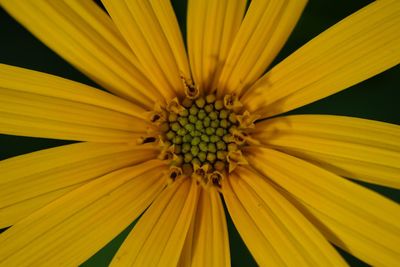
376,98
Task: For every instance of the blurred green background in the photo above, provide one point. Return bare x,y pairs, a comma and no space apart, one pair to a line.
377,98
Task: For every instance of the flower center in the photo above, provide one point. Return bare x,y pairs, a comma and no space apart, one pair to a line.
202,137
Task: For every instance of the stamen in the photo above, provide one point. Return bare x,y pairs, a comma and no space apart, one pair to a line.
158,115
200,174
174,172
246,120
234,159
192,92
238,137
168,153
216,178
174,106
232,102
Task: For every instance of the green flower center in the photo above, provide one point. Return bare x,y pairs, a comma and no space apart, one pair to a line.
201,133
202,137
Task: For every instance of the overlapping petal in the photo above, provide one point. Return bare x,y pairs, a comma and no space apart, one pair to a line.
351,216
262,34
355,49
73,227
207,241
271,226
152,31
85,36
158,238
357,148
42,105
50,173
211,29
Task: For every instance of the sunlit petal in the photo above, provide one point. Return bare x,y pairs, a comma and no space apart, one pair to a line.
358,47
351,216
357,148
262,34
151,30
211,29
157,239
84,35
30,181
75,226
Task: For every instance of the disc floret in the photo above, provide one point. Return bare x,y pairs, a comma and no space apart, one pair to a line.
201,136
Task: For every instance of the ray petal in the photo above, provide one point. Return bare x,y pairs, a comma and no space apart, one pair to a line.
273,229
30,181
354,218
73,227
152,31
360,46
159,236
212,27
207,242
42,105
263,32
85,36
357,148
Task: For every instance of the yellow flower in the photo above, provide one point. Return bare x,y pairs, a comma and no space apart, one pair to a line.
173,139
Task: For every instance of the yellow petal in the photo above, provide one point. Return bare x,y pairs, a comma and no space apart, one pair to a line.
263,32
165,14
84,35
35,82
73,227
355,49
158,237
15,212
30,181
211,29
151,30
356,148
207,242
63,109
272,228
50,108
359,220
38,127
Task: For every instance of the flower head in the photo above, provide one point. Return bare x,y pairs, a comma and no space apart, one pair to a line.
179,133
